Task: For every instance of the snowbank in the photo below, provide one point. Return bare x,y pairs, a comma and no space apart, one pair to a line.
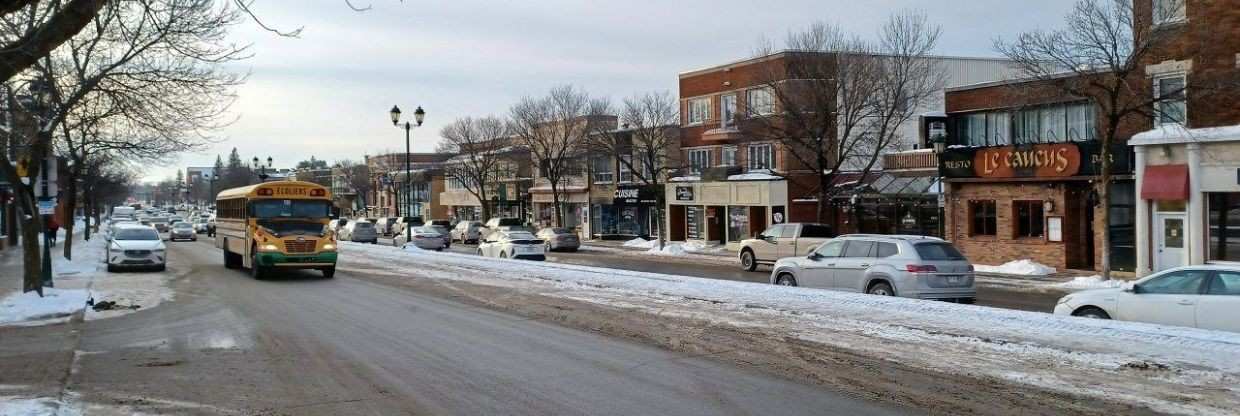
55,303
1019,267
672,248
1090,282
755,176
16,406
641,243
1195,371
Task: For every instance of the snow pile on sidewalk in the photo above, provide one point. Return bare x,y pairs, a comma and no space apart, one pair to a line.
55,303
1194,371
641,243
1024,267
1090,282
680,249
16,406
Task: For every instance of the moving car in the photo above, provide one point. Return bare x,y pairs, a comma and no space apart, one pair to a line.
467,232
559,238
512,245
182,231
1205,297
211,226
443,231
135,246
200,225
781,240
888,265
359,231
160,223
425,237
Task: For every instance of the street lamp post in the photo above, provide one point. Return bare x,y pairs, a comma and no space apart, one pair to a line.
262,169
938,138
418,115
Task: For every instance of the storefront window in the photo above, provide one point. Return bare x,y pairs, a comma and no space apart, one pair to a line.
1224,226
738,223
983,218
1028,218
1123,225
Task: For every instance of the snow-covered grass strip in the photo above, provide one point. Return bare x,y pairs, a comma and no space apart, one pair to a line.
1194,371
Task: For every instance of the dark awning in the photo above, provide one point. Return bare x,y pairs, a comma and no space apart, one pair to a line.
1165,183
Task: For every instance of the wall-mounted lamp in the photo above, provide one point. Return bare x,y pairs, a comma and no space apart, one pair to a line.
1048,206
1165,150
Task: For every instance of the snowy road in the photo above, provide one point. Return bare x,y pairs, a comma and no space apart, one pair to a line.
303,345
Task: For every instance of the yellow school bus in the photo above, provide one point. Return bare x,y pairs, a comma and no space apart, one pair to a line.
276,225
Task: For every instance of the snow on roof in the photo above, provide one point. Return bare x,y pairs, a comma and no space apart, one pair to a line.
756,176
1175,133
686,179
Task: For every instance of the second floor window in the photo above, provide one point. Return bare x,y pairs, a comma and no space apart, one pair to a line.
699,110
1171,107
729,156
602,169
1168,11
727,110
699,159
760,101
761,156
626,174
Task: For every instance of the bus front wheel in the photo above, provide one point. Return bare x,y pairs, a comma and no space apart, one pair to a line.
258,272
329,272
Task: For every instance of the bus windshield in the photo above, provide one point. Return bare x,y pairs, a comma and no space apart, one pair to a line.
290,208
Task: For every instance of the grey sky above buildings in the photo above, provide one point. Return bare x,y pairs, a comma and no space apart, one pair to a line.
327,93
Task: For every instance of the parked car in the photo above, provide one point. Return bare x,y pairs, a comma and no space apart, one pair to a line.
444,232
200,225
504,224
467,232
398,227
133,246
385,226
512,245
182,231
559,238
359,231
889,265
780,241
1205,297
425,237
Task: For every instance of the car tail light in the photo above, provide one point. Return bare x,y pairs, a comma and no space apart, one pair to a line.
916,268
971,268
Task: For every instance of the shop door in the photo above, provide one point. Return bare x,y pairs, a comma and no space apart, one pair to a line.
1169,241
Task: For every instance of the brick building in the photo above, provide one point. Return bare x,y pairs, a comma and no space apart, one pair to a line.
1024,158
389,196
735,184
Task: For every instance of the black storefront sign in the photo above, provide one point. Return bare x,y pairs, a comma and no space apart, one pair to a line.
960,162
684,193
635,195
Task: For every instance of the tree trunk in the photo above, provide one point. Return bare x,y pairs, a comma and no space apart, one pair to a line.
558,219
1103,187
69,210
31,226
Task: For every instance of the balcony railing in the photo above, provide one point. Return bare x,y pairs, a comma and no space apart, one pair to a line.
914,159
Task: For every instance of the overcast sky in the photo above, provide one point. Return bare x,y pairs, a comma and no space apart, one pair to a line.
328,92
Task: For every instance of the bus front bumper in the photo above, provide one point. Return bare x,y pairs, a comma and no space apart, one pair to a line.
307,261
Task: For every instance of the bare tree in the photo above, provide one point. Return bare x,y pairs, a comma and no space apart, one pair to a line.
356,178
838,100
554,129
647,143
480,146
1100,56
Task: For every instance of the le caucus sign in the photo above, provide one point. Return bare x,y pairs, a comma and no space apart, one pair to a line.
1022,161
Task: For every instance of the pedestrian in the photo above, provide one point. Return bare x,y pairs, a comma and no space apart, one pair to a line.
53,228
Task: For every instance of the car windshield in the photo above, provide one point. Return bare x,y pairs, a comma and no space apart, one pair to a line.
157,220
938,251
136,234
428,230
182,225
290,208
283,228
560,230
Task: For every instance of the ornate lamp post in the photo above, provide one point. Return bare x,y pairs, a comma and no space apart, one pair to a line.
261,168
418,115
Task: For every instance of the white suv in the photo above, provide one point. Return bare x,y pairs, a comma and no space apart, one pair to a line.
135,246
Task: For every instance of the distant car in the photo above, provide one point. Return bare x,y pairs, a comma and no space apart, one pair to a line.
398,227
359,231
135,246
443,232
504,224
182,231
512,245
425,237
160,223
779,241
1205,297
384,226
200,225
211,226
559,238
337,224
888,265
467,232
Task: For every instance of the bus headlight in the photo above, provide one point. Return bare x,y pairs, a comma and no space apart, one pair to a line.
268,247
329,246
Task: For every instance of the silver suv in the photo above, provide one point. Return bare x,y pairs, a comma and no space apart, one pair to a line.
889,265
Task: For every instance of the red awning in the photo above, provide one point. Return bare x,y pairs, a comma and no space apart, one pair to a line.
1165,183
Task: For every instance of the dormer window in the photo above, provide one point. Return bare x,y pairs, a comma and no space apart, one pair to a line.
1168,11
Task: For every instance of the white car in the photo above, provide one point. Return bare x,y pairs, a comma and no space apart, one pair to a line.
424,237
512,245
1206,297
135,246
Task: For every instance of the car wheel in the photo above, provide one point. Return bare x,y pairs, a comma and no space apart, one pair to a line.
503,254
881,289
1091,313
111,268
748,262
162,267
786,279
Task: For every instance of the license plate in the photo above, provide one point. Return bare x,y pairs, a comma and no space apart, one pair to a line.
954,279
528,249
